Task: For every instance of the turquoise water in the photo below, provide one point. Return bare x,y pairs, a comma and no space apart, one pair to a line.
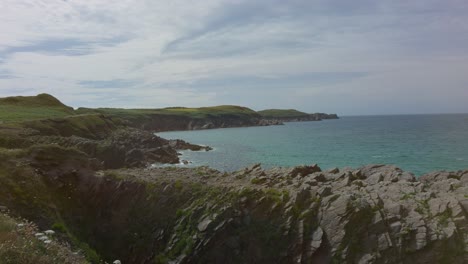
416,143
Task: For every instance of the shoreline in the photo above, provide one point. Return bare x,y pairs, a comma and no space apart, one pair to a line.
86,178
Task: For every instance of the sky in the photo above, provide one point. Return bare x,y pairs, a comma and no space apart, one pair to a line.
336,56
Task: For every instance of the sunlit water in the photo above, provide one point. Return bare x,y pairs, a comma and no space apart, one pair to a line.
417,143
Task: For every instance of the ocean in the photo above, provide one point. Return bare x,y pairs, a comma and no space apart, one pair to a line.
415,143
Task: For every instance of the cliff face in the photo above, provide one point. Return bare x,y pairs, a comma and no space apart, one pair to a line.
159,123
375,214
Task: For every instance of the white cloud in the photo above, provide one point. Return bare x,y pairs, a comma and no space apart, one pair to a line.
164,49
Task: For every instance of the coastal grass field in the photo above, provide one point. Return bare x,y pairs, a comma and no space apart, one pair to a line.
201,112
282,113
24,108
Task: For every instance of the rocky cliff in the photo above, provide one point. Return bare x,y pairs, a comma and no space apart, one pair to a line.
374,214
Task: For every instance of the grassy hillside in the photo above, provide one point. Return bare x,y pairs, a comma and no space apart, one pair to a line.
43,106
199,113
282,113
22,108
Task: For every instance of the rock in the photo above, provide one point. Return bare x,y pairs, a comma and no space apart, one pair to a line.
316,240
203,225
303,194
333,171
325,191
384,242
3,208
43,238
116,262
183,145
304,170
49,232
375,178
395,227
366,259
464,178
319,177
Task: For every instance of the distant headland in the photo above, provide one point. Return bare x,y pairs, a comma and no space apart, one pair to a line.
45,106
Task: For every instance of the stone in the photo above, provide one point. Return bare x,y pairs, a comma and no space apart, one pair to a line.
49,232
43,238
375,178
366,259
395,227
316,240
203,225
325,191
384,242
304,170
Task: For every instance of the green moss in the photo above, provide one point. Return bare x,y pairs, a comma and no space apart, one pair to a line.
161,259
444,218
279,197
114,174
90,254
407,196
6,224
257,181
178,185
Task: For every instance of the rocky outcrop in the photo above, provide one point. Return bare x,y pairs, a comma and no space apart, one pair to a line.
373,214
125,148
183,145
161,122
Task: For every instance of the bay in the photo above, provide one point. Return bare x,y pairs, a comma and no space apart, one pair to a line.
416,143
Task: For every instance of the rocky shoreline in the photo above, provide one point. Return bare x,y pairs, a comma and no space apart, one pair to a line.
87,178
100,189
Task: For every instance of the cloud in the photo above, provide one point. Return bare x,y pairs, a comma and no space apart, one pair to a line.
349,57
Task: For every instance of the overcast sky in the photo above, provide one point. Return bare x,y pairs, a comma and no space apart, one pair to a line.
340,56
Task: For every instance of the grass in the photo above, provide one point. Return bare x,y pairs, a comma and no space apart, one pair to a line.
197,113
22,108
282,113
19,245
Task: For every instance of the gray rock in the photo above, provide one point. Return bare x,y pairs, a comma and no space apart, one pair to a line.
203,225
49,232
325,191
375,178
